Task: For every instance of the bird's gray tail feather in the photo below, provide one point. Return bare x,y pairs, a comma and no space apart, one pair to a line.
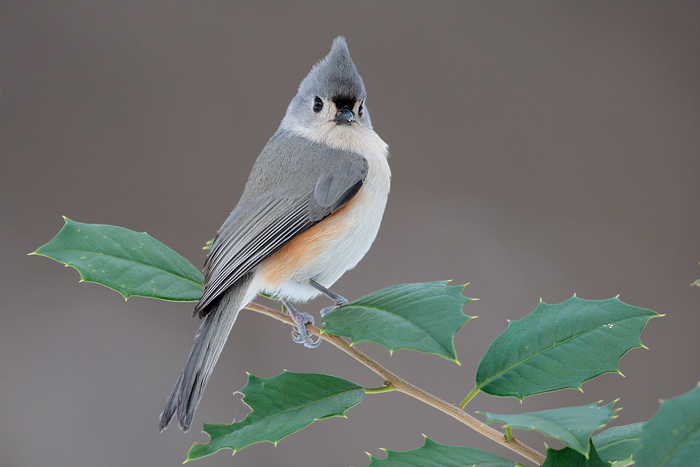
208,344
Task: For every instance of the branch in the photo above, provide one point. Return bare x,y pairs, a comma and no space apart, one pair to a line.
404,386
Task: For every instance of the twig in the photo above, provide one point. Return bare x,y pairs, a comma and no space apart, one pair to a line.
399,384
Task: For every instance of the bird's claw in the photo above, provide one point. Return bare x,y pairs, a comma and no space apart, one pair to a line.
328,309
300,335
334,307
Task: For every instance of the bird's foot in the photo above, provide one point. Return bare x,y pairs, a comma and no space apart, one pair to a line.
300,335
338,304
338,300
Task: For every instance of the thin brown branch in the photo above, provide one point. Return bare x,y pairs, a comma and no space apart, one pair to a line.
404,386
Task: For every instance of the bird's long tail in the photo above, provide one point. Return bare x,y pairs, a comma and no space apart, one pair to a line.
208,344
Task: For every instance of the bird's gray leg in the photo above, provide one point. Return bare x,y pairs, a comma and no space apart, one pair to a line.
339,300
301,336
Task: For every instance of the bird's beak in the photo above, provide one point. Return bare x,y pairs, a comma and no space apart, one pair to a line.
344,116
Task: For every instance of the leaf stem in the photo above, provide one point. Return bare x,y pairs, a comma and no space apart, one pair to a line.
401,385
469,397
385,388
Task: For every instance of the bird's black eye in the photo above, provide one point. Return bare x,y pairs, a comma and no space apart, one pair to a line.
318,104
359,110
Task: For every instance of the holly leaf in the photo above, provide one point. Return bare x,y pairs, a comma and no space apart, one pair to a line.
423,317
132,263
560,346
433,454
573,426
568,457
672,437
281,405
617,444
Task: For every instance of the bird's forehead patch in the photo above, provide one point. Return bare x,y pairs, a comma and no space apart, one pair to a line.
344,102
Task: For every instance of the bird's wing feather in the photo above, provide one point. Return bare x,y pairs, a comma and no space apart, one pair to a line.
262,225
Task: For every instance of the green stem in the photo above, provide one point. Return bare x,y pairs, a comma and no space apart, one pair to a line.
385,388
469,397
509,434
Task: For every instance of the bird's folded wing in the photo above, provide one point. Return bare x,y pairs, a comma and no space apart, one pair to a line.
263,225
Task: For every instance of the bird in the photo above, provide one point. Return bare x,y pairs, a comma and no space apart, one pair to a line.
309,212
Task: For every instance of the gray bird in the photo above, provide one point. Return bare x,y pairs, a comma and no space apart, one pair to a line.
310,211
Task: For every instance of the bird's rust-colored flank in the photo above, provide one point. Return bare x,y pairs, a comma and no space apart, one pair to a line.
306,247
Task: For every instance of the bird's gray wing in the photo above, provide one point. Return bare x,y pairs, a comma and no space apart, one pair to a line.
335,189
262,225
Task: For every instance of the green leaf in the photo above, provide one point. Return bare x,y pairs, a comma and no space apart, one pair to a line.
697,283
129,262
618,443
573,426
433,454
672,437
568,457
423,317
281,405
560,346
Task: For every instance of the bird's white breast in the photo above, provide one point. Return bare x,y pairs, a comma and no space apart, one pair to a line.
346,236
366,209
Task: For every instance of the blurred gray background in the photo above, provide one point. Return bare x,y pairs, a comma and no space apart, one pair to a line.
537,149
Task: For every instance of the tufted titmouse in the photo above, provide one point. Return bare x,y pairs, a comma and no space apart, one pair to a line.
309,212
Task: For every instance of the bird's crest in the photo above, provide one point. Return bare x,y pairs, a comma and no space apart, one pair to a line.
335,75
